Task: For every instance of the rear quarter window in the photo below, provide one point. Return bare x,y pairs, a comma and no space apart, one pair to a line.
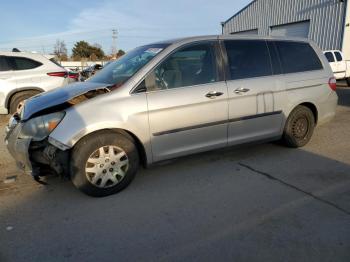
297,57
22,63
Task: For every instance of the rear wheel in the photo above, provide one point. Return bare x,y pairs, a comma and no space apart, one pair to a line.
299,127
104,163
17,100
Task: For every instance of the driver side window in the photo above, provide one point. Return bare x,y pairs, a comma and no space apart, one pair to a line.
193,65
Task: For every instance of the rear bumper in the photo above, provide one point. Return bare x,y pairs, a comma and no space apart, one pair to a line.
327,109
18,148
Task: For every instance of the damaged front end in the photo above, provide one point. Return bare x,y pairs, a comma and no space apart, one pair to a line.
28,143
27,134
45,157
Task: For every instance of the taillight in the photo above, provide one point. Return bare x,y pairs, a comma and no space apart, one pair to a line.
58,74
333,83
73,75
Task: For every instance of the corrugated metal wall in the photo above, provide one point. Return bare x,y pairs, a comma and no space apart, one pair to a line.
326,18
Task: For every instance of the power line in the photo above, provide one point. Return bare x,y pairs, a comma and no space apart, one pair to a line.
53,36
51,43
82,32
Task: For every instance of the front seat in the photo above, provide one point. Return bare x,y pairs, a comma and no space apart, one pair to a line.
206,73
172,76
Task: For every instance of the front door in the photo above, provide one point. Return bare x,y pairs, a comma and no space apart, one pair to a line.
187,103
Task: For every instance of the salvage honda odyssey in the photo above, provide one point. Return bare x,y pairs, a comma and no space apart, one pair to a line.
171,99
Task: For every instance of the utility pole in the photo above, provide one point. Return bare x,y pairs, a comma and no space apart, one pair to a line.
43,50
114,41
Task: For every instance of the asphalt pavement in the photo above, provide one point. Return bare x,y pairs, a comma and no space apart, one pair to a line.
251,203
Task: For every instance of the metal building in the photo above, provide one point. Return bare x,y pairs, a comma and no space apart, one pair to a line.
327,22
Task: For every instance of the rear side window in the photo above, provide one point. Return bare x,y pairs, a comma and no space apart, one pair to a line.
338,56
248,58
276,64
4,65
329,57
22,63
297,57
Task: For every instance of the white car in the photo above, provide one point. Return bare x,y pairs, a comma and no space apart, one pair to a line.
340,67
23,75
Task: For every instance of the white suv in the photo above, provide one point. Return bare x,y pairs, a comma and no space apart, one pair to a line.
23,75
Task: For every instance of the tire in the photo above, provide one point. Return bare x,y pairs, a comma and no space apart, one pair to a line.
18,98
299,127
348,81
86,157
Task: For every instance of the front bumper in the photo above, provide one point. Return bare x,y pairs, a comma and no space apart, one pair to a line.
18,147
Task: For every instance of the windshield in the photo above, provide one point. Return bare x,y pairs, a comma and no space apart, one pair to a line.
118,72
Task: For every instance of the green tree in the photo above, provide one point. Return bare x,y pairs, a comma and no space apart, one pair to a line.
83,49
120,53
97,51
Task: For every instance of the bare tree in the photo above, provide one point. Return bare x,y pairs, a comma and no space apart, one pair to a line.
60,50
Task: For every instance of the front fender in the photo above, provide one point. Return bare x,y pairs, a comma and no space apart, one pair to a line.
105,112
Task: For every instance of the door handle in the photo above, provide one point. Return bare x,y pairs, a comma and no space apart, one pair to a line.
241,90
213,94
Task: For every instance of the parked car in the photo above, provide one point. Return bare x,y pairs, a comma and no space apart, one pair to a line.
171,99
23,75
340,67
90,71
73,75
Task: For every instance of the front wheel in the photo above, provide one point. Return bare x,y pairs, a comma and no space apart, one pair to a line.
299,127
104,163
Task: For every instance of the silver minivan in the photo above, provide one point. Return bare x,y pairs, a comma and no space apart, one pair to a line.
171,99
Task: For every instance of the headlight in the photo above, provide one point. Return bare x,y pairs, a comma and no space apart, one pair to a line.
40,127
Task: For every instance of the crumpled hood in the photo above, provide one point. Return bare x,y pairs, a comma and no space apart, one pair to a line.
57,96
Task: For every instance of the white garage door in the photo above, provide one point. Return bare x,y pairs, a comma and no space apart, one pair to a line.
247,32
300,29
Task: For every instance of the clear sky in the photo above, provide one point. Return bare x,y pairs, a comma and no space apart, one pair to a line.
34,25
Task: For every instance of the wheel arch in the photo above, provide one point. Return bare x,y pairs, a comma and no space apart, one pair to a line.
313,109
129,135
19,90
